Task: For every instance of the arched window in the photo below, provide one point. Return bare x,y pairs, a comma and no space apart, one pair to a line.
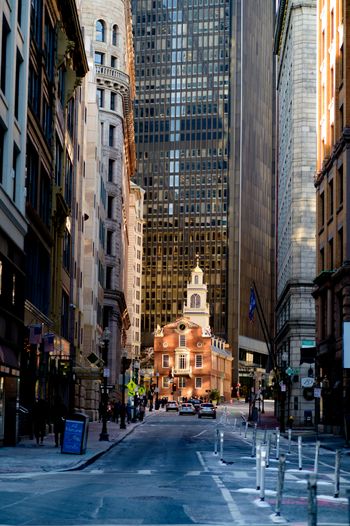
115,35
100,31
196,280
195,301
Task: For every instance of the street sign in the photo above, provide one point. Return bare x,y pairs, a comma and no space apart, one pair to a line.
317,392
142,390
106,373
307,382
131,385
290,371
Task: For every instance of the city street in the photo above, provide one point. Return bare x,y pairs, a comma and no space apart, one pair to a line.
166,472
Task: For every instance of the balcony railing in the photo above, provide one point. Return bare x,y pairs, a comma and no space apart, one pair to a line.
112,75
182,372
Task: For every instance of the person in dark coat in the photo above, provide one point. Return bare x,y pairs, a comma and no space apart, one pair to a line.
59,413
39,416
116,411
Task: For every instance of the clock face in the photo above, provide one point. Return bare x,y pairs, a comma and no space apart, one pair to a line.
165,344
182,327
199,344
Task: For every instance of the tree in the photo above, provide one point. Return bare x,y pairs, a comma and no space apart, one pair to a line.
214,395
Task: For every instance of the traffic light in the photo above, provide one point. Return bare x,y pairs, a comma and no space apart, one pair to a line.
174,387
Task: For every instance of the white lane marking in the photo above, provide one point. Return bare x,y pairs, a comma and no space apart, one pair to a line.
192,473
199,434
233,508
144,472
201,460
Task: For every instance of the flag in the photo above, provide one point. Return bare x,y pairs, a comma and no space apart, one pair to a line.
35,334
252,304
49,338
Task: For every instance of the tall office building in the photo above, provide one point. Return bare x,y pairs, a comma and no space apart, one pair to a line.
182,52
295,47
191,59
188,78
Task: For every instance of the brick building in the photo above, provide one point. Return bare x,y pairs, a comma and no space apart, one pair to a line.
188,360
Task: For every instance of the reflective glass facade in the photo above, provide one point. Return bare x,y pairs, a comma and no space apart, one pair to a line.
182,55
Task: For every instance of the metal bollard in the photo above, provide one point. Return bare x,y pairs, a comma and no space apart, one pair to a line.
262,471
268,448
300,458
337,473
254,442
265,435
221,445
216,441
289,440
278,438
246,429
280,484
235,424
258,465
312,500
317,454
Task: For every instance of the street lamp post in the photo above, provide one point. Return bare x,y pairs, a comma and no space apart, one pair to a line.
105,341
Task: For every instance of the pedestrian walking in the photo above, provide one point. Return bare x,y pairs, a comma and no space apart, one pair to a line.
39,419
128,413
142,412
116,411
59,413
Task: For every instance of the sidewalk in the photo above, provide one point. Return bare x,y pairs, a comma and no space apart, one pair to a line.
27,457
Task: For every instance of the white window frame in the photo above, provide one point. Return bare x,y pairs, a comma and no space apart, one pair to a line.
181,382
165,382
182,340
165,363
199,357
198,382
182,357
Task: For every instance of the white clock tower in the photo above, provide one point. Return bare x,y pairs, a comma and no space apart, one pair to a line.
196,308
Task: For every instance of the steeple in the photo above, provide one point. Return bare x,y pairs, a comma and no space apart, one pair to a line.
196,307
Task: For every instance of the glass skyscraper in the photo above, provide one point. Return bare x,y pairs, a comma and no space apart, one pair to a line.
182,57
204,130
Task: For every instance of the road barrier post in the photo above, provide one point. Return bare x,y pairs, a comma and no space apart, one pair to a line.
278,437
258,465
268,448
300,456
317,454
280,484
216,441
221,445
254,442
246,430
289,440
312,499
235,424
265,435
337,473
262,471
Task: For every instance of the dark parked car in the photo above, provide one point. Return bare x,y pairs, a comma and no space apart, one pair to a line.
196,403
207,410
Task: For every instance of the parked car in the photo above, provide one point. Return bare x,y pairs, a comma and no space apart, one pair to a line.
172,406
196,404
186,409
207,410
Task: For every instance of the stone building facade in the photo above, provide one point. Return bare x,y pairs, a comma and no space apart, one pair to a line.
14,51
332,283
188,360
110,164
295,48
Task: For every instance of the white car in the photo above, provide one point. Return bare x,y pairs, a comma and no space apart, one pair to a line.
172,406
186,409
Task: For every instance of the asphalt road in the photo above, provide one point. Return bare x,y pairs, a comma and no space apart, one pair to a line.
166,472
